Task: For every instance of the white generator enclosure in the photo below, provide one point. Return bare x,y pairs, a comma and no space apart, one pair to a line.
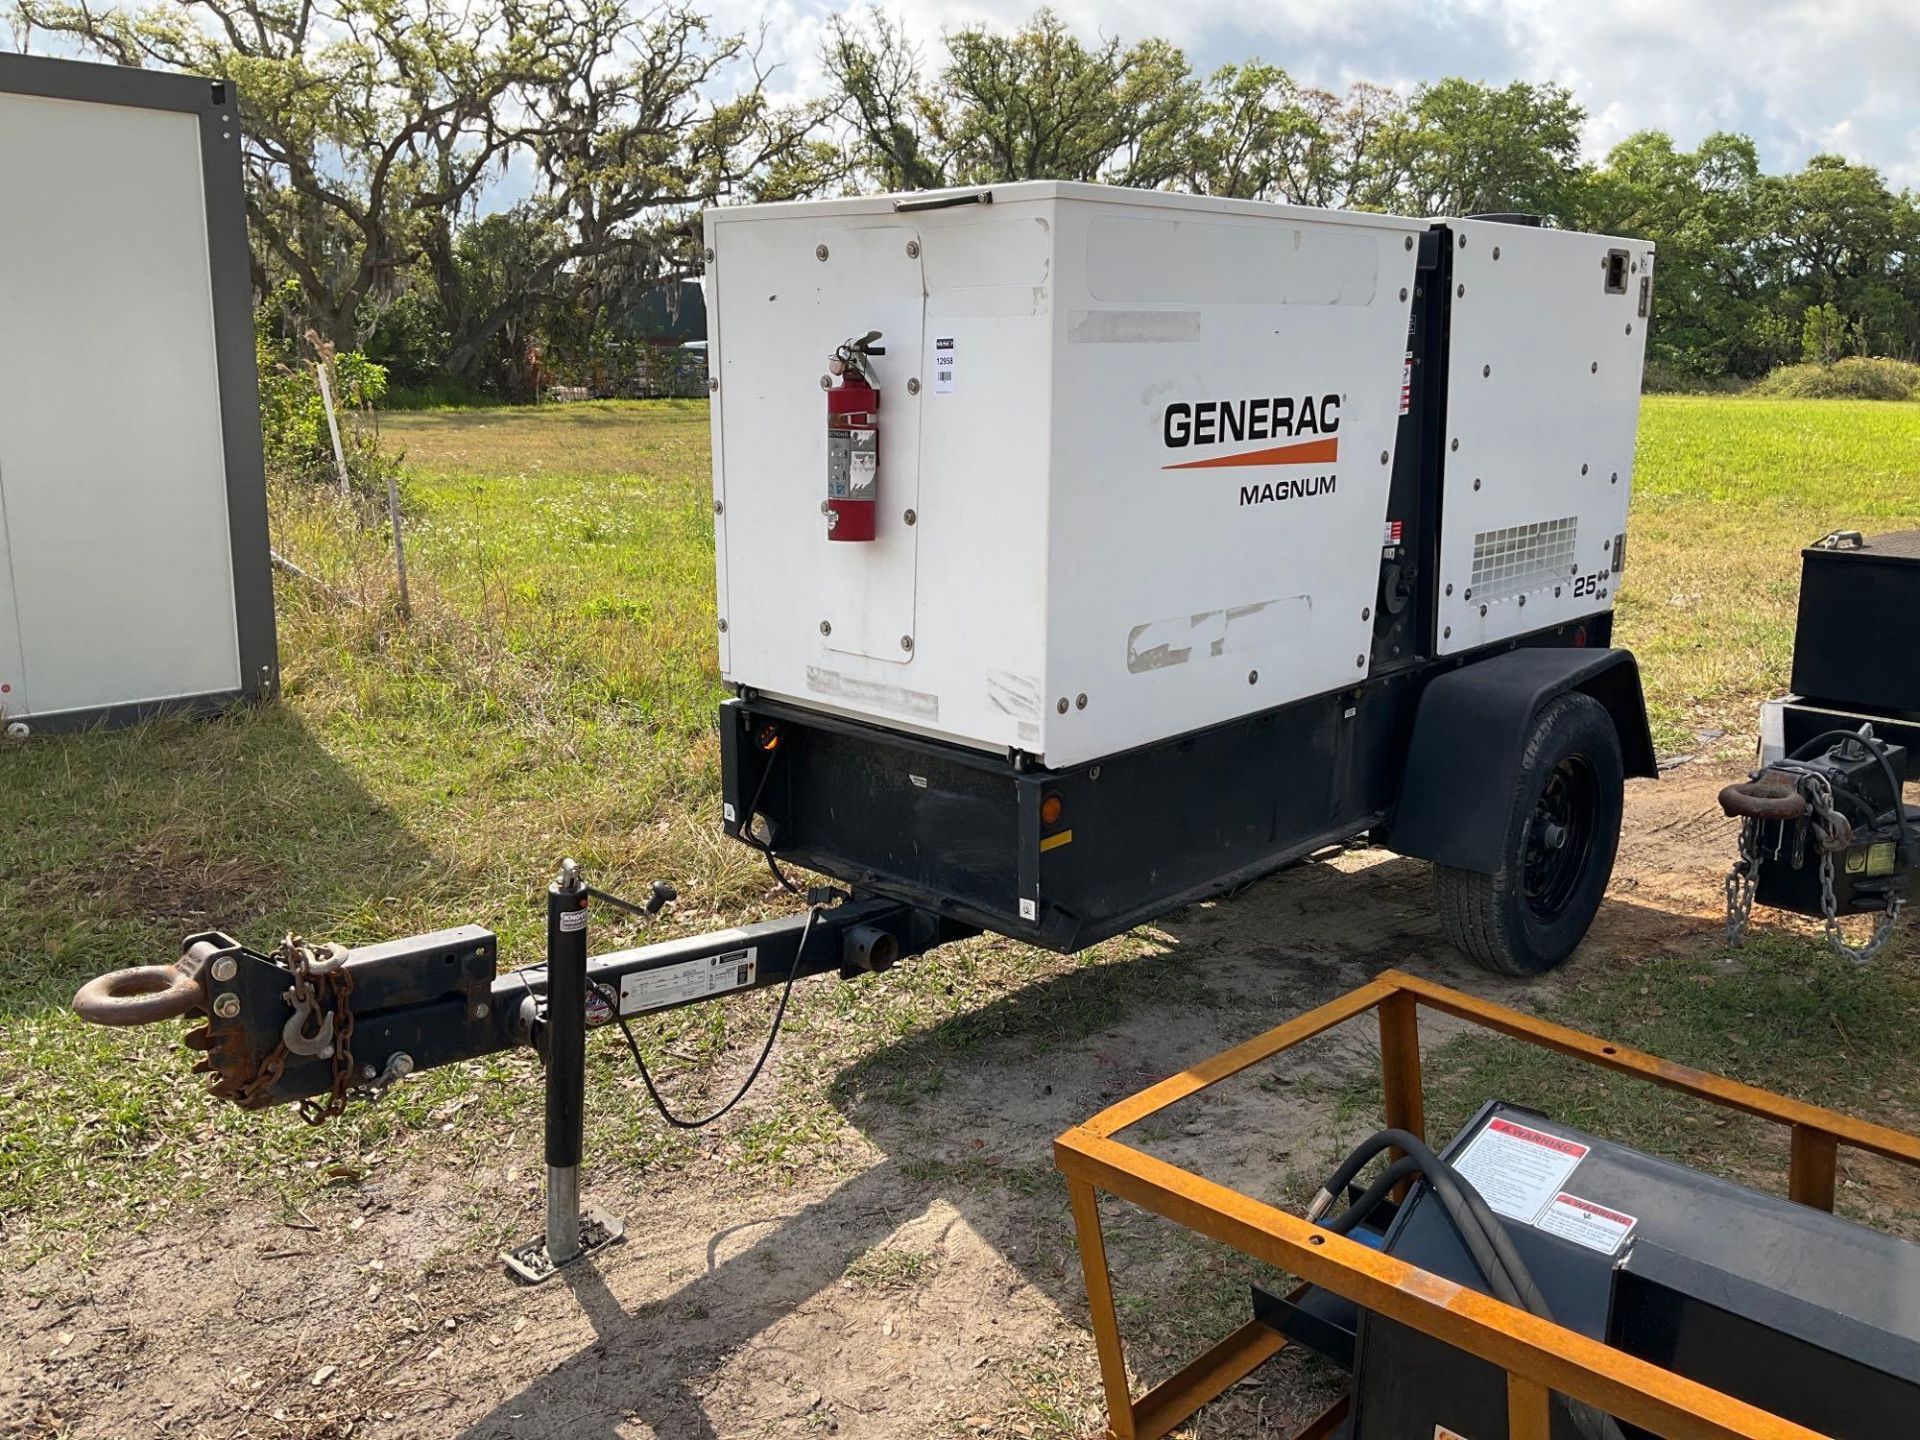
134,564
1135,452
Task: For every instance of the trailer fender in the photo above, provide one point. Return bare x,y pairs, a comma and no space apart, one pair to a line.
1468,732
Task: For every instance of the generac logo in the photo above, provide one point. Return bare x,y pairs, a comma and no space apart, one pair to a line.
1308,424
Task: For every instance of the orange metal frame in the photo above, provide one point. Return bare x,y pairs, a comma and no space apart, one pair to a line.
1538,1356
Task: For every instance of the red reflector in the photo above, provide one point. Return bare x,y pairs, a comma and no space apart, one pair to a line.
1580,638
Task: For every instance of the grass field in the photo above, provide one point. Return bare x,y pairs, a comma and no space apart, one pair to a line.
555,694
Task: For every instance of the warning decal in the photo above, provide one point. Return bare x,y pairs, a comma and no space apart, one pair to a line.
1585,1223
1516,1168
645,990
1440,1432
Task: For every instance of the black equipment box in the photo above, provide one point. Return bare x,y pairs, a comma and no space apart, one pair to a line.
1802,1313
1857,642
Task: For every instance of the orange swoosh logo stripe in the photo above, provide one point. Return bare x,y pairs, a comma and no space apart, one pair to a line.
1303,452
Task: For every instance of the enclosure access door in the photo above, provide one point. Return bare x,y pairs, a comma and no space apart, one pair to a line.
134,536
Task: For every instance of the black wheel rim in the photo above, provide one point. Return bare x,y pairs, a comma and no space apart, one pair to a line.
1559,840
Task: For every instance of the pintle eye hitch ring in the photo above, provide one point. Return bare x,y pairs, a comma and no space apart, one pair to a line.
141,995
1768,798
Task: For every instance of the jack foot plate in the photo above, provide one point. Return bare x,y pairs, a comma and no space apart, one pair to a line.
531,1263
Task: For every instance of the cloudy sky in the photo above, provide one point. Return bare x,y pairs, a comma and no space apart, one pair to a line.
1800,76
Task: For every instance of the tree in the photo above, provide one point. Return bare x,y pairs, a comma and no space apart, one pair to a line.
1461,148
881,101
1037,104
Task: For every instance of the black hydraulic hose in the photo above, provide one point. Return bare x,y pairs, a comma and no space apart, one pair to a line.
1405,1168
1875,747
1486,1239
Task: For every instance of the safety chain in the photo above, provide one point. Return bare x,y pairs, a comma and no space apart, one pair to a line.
1742,880
319,972
1832,832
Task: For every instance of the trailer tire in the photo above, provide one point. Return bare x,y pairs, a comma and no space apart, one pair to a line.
1563,829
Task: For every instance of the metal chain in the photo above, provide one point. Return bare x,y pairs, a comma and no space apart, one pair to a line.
314,970
318,1112
1742,880
1830,907
1832,832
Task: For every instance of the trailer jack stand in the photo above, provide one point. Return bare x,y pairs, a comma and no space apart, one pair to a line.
562,1038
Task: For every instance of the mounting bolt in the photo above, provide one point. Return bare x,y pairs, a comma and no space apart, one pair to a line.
1596,368
723,624
1403,292
1496,252
1556,592
906,642
707,254
1456,443
1523,600
1629,327
913,249
913,387
480,1010
1476,482
1483,610
1606,544
226,1006
1447,634
1486,372
819,252
1461,292
1467,594
719,507
1061,705
1385,456
826,627
1449,587
1583,469
713,384
911,516
1253,677
1616,478
1366,612
1409,244
1080,701
1463,242
1361,661
826,382
225,968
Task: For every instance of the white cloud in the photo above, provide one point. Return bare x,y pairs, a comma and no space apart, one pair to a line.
1800,76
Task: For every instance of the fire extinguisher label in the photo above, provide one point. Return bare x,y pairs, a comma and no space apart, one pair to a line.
863,471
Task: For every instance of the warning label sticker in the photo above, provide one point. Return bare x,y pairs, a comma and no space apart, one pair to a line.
1516,1168
1585,1223
1441,1432
645,990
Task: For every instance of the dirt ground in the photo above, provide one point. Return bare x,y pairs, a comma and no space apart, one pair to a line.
926,1285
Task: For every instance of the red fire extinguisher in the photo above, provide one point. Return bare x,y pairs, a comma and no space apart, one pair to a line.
853,441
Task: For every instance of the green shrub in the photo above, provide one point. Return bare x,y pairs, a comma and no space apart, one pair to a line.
293,417
1855,378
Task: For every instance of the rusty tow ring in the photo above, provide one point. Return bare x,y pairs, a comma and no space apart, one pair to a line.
147,994
1770,795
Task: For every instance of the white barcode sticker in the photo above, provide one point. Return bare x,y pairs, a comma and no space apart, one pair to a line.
645,990
1516,1168
944,353
1585,1223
